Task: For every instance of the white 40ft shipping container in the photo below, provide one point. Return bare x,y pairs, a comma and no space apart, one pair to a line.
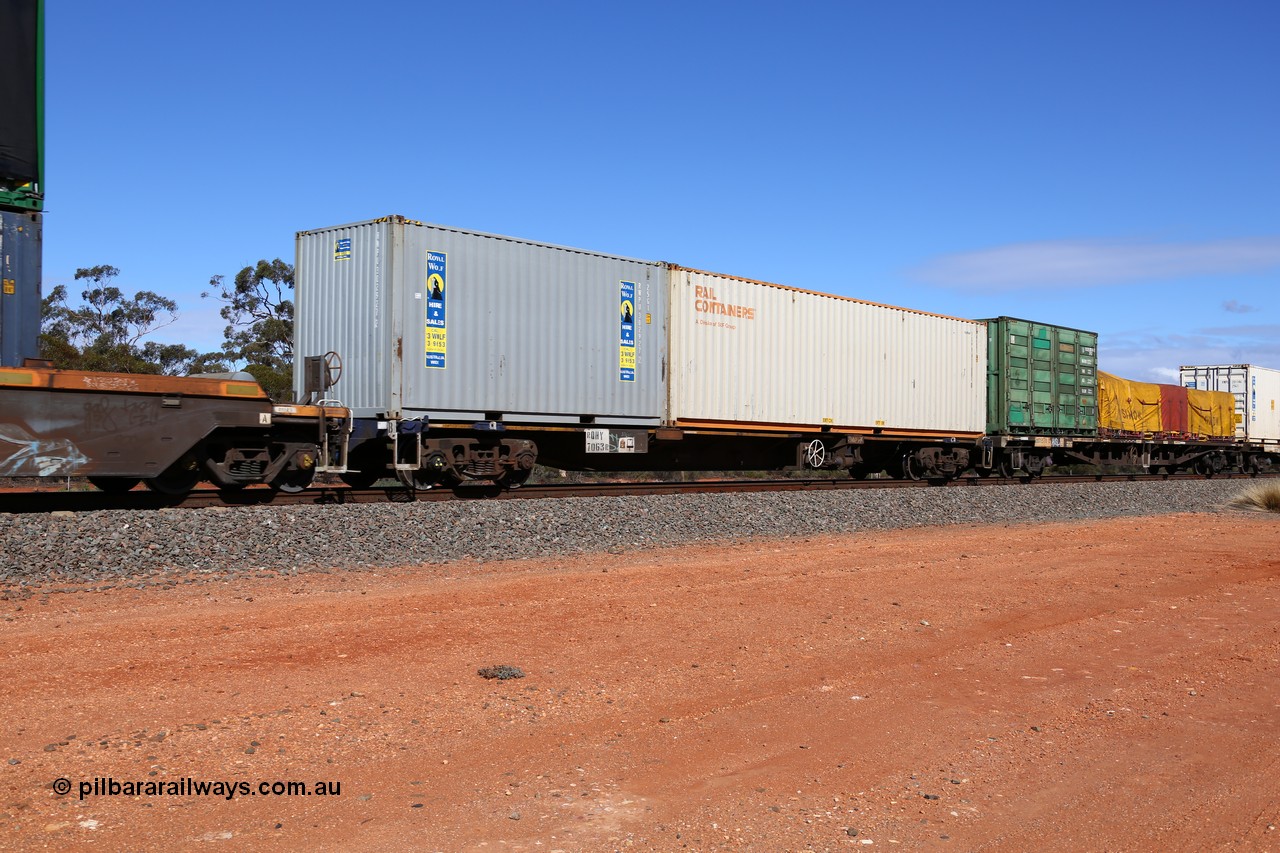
459,326
765,355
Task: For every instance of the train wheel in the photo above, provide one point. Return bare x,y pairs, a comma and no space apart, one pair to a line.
295,480
516,478
366,466
1206,466
114,485
176,480
357,479
911,467
815,454
422,479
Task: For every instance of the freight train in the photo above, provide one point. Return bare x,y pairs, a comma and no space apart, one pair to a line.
467,358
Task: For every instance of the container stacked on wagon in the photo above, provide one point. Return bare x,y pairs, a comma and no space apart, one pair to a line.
446,357
476,355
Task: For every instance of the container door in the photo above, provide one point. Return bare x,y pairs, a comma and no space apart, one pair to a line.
1018,375
1043,378
1087,348
1066,352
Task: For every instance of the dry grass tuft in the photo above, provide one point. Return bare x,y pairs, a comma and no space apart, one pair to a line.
1260,497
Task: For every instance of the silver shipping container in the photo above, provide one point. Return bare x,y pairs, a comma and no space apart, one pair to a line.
1257,392
749,352
460,326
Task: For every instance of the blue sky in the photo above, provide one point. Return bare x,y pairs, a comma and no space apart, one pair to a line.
1111,166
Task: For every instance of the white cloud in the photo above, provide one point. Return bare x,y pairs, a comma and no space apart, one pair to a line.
1265,333
1151,356
1088,263
1239,307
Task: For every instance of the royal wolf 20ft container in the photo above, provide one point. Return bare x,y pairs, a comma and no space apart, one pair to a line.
1043,379
1257,395
752,354
459,326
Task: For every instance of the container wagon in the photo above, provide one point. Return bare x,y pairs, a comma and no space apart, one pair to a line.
1166,427
170,433
470,356
878,387
1041,394
1048,405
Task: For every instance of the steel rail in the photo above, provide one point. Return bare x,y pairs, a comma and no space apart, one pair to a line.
89,499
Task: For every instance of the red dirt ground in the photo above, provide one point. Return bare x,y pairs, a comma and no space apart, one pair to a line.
1107,685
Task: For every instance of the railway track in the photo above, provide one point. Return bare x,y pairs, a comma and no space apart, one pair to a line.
87,500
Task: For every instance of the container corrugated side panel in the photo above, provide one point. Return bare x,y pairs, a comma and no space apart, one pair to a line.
747,352
1042,378
533,332
20,262
1256,390
342,305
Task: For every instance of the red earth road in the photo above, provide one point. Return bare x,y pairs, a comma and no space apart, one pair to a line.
1108,685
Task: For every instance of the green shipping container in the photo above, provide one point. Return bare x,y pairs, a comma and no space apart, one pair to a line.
1041,379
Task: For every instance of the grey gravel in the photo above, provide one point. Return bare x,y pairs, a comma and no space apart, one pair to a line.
128,548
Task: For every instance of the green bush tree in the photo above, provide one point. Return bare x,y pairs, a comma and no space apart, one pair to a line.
258,308
105,331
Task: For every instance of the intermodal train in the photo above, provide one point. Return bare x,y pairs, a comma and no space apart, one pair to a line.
445,357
